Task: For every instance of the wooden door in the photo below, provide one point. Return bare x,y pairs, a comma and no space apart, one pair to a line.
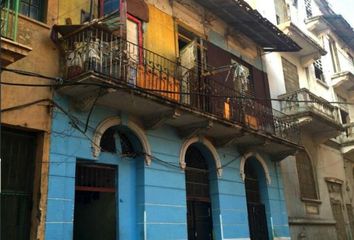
199,217
18,163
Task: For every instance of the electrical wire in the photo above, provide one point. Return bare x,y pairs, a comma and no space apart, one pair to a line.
241,96
91,109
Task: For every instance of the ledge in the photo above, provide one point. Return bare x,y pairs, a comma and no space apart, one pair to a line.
310,221
316,201
12,51
322,83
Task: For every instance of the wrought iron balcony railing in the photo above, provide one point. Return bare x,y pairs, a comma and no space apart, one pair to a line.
97,51
9,19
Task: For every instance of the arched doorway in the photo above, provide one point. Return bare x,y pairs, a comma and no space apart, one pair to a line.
199,213
257,221
106,188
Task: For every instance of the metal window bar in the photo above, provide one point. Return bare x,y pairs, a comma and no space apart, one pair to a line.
308,8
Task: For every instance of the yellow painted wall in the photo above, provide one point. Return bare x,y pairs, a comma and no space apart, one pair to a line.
159,35
72,9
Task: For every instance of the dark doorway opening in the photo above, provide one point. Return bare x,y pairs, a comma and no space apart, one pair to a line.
257,221
199,218
18,149
95,202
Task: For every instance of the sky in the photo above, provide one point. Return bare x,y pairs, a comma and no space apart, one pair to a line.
345,8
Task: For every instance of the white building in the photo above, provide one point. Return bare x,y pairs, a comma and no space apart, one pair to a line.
318,182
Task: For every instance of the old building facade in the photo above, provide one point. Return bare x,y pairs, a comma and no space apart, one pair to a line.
155,120
167,131
321,75
25,116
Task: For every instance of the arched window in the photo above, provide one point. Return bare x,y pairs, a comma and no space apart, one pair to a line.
306,176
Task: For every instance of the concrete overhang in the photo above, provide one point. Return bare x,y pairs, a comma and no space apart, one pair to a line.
240,16
336,23
343,81
12,51
310,49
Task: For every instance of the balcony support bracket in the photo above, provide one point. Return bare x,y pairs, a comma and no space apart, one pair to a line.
196,129
157,120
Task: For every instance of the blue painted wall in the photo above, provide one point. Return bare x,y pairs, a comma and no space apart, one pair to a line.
158,189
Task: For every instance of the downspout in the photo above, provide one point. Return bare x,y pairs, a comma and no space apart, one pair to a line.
91,10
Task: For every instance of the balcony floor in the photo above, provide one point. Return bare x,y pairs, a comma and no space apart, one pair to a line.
155,110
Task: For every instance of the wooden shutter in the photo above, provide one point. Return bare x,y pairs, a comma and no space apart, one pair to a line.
261,87
291,76
306,176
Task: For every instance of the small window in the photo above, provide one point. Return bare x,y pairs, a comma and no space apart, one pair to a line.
306,176
319,70
109,6
31,8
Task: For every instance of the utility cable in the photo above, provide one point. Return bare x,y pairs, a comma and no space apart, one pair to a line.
174,92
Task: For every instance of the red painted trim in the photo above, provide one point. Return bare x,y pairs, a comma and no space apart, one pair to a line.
94,189
140,34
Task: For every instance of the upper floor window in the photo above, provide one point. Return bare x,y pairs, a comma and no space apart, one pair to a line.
306,176
308,8
319,70
32,8
334,55
108,6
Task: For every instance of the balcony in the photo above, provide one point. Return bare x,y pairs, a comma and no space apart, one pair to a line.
315,115
347,143
133,79
11,50
343,81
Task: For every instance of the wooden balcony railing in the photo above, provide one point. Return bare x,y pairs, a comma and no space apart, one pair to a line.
303,100
98,51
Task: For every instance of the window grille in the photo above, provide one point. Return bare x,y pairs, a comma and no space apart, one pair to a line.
95,178
319,70
197,176
308,8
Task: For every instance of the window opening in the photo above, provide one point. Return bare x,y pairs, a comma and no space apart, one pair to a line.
108,142
334,55
199,214
95,198
256,210
192,57
18,171
31,8
319,70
